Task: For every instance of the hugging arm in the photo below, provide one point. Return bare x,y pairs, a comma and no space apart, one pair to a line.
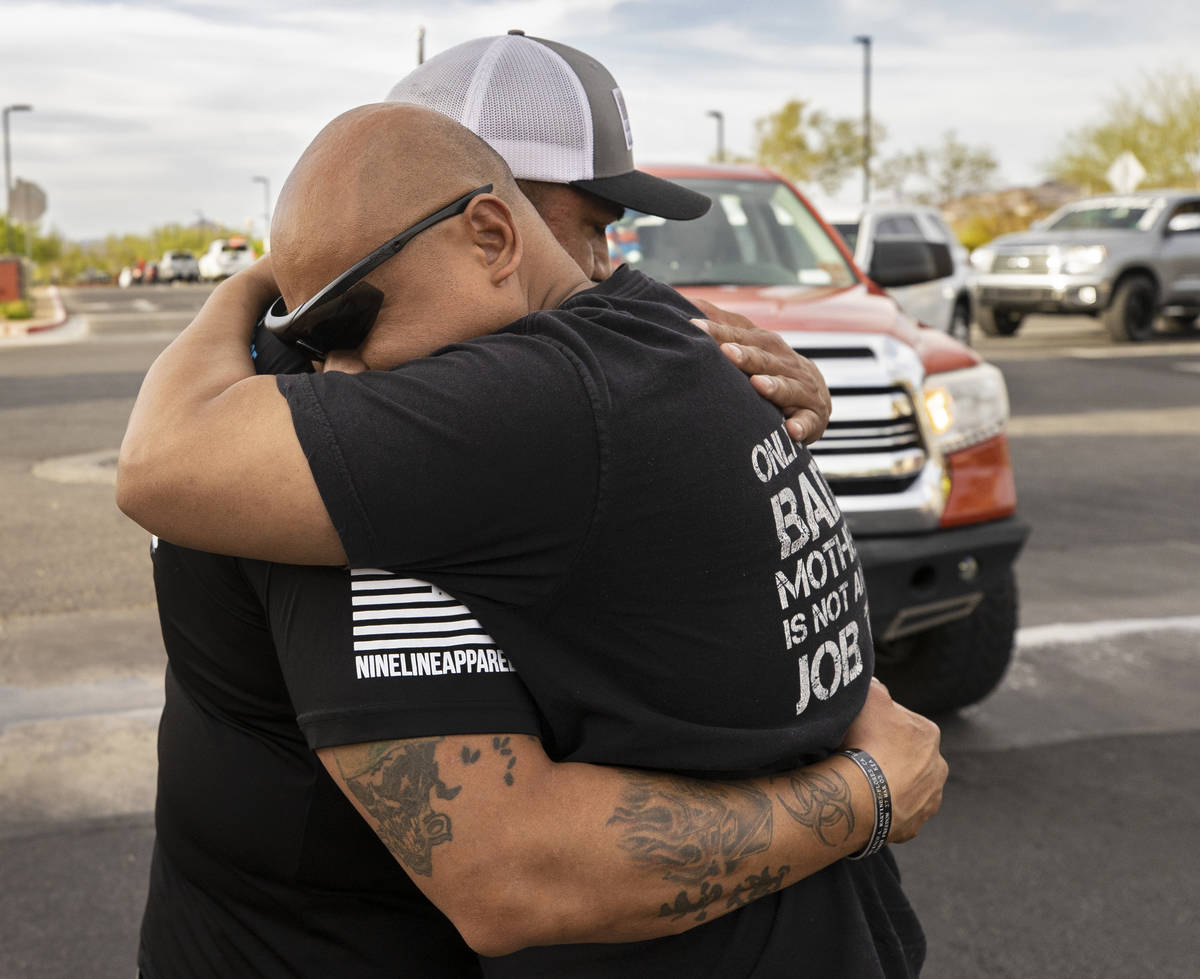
208,441
210,457
518,850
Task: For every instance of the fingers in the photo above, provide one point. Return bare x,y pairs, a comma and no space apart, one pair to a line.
719,317
747,335
790,382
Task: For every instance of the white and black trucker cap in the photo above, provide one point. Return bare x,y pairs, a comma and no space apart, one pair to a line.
554,113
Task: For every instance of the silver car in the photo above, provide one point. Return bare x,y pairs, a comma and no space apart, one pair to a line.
1125,259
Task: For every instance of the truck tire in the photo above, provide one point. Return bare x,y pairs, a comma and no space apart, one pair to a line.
998,322
957,664
1130,315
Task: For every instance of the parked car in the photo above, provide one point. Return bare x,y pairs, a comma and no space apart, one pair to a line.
915,450
92,276
943,301
178,265
1124,258
224,257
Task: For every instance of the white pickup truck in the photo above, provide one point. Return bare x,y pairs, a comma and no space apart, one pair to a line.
224,257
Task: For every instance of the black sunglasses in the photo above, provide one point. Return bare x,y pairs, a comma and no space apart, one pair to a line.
340,316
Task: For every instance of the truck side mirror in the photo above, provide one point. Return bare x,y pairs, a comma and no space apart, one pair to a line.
908,261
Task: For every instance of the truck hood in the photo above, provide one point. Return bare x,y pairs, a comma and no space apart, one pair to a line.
856,309
1076,236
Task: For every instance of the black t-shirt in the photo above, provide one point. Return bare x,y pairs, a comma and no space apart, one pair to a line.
669,574
261,866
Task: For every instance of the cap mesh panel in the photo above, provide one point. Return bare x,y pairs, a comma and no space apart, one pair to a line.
519,96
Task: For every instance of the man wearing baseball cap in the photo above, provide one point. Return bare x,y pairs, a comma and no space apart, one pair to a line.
559,119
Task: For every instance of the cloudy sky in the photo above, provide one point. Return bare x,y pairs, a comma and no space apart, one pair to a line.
153,112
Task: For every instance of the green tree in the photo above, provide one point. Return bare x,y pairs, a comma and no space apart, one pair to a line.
938,174
1157,120
810,146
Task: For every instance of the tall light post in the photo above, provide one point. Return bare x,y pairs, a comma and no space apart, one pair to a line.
720,117
266,208
865,41
8,173
421,45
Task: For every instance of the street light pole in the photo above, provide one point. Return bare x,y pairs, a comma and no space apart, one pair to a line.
8,174
266,208
720,117
865,41
421,45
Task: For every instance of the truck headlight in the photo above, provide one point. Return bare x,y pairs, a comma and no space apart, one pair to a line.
1077,259
982,258
966,407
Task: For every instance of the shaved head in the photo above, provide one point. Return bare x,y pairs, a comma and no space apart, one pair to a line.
376,171
370,173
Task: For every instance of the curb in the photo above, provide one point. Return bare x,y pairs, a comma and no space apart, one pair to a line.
57,317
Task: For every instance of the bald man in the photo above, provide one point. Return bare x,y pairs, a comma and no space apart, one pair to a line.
604,547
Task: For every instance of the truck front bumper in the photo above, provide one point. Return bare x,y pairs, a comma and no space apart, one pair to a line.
1043,293
918,581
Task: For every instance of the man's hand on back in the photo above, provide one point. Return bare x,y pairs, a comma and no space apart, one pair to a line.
790,382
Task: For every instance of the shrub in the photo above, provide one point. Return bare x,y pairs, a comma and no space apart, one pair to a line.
18,309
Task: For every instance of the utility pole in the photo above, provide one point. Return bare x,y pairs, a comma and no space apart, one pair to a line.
865,41
720,117
8,174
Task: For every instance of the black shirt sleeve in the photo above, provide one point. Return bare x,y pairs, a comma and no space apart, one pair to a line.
371,656
480,464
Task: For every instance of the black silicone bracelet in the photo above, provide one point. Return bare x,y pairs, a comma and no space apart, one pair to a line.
883,801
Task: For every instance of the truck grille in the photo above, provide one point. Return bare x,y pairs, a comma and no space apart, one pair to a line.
874,443
1025,262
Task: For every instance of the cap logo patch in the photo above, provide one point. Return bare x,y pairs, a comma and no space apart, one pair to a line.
620,100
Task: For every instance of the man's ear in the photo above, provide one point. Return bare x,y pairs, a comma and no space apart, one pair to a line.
495,236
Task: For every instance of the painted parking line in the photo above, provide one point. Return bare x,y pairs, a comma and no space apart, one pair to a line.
1153,421
1061,633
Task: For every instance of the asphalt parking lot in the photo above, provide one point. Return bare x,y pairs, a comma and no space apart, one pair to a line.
1064,847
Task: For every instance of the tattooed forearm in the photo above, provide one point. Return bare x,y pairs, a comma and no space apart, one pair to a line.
822,803
396,782
692,830
750,889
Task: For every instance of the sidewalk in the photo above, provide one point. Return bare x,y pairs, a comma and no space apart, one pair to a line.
48,313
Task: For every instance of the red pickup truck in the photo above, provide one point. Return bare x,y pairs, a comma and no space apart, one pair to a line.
915,449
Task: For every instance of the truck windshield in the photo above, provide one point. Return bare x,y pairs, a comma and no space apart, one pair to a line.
757,233
1129,215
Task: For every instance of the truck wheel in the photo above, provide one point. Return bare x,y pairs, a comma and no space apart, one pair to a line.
1130,316
957,664
998,322
960,322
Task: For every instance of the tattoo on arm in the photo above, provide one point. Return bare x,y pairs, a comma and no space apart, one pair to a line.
500,746
397,784
695,832
822,803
